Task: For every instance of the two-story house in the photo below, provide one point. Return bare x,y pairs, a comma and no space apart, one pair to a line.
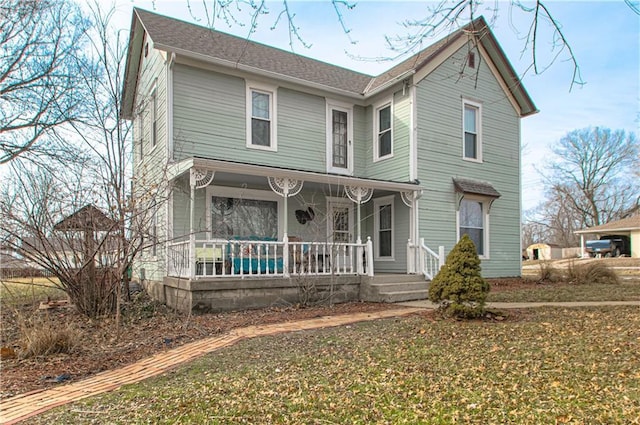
265,164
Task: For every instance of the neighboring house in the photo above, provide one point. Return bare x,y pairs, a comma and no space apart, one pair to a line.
275,164
629,226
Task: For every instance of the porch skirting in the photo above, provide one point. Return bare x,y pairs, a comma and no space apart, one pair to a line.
217,295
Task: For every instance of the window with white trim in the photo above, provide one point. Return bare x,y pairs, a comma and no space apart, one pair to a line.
339,138
473,220
471,122
243,217
383,131
243,213
140,133
154,118
383,222
153,231
261,117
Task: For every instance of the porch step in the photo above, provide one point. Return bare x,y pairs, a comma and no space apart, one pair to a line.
396,278
399,296
394,288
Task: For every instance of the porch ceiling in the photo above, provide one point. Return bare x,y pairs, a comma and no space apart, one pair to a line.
227,171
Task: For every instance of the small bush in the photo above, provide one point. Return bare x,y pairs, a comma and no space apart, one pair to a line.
41,336
593,272
459,287
548,273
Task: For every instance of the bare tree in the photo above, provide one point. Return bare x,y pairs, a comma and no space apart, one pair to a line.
39,44
90,253
592,180
533,231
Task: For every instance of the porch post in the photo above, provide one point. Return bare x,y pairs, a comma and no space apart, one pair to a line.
192,235
421,264
410,199
197,180
285,187
360,195
369,257
582,250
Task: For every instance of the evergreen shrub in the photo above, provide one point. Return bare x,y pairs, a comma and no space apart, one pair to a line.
459,287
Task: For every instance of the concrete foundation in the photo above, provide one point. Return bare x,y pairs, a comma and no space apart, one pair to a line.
217,295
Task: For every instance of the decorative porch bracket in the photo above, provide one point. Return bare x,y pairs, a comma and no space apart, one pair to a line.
360,195
197,180
286,188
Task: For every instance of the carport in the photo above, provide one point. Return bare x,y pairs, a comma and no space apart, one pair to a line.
629,226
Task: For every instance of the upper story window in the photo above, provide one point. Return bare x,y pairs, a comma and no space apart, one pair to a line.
384,140
472,143
339,138
139,133
261,117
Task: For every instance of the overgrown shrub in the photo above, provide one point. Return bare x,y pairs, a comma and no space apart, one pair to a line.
593,272
41,336
459,287
548,273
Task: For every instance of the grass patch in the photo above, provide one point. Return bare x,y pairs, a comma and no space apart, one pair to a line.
544,366
29,290
624,291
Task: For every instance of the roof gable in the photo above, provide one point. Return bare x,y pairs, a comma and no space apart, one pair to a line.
188,39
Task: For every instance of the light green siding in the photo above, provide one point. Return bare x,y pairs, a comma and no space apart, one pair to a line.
396,167
209,121
439,106
208,115
401,218
149,166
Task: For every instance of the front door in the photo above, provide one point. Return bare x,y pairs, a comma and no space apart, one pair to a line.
340,225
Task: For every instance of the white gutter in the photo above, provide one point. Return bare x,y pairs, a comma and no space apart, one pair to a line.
389,83
177,169
283,77
258,71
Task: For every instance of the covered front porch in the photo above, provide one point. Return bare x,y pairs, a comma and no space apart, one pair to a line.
232,220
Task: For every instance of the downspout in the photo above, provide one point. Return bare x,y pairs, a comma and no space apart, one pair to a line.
413,171
169,109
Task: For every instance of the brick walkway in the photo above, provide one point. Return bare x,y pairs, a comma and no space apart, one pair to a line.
23,406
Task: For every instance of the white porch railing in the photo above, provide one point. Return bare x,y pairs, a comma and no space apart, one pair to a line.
267,258
424,260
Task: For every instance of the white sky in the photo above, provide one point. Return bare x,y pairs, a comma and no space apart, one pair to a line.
605,38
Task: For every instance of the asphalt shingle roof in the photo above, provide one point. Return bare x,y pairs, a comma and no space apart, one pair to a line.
185,38
175,34
629,223
475,187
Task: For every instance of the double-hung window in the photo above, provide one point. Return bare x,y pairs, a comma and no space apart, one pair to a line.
384,138
154,118
261,117
472,143
473,221
383,210
153,230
